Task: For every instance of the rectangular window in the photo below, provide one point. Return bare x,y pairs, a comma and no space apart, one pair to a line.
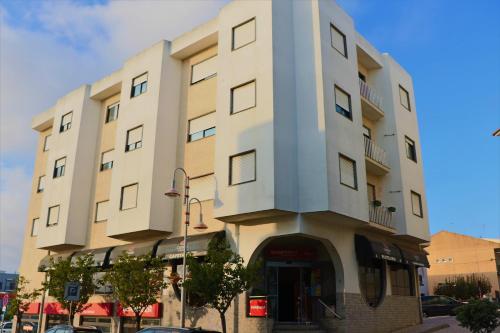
34,227
41,184
404,98
107,160
243,97
202,187
411,151
348,172
242,168
139,85
66,122
112,112
101,211
201,127
244,34
128,199
59,167
416,204
134,139
372,194
343,102
362,77
204,70
401,280
367,132
53,215
46,143
339,41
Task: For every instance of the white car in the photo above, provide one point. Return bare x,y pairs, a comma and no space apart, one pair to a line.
6,327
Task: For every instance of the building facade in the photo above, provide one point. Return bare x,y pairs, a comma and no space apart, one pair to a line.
452,254
301,142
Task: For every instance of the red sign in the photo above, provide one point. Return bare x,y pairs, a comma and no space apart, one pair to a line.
152,311
5,299
54,308
258,307
34,308
291,254
98,310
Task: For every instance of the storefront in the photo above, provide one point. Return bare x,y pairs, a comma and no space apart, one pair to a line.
55,315
98,315
30,318
150,317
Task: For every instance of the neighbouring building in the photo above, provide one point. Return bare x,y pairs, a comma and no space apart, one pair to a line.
301,141
452,254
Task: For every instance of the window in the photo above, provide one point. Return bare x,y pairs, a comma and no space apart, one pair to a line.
242,168
112,112
372,194
411,152
244,34
59,167
10,284
66,122
343,103
101,211
372,280
202,187
46,143
129,196
139,85
416,204
401,280
34,227
348,172
367,132
362,77
41,184
339,41
53,216
204,70
243,97
107,160
134,139
201,127
404,98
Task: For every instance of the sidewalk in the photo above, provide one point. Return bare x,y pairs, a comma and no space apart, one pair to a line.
441,324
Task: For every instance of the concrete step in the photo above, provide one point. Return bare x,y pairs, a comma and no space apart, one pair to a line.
298,331
297,328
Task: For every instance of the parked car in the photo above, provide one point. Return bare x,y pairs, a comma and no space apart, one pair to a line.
439,306
73,329
29,327
159,329
6,327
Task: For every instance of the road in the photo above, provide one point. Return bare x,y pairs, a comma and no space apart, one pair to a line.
433,322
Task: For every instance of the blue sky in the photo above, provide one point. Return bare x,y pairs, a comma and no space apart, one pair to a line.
450,47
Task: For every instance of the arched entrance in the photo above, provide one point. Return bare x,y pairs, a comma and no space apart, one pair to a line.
298,274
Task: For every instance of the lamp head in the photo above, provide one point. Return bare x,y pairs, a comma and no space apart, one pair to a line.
173,193
201,225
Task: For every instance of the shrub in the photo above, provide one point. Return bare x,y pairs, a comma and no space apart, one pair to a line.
464,287
479,316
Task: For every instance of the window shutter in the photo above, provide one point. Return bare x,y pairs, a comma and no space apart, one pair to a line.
47,142
342,99
204,69
338,40
107,157
243,97
202,123
60,162
404,97
102,211
41,183
140,79
416,204
53,217
202,188
135,135
129,196
34,227
347,172
243,168
66,119
244,34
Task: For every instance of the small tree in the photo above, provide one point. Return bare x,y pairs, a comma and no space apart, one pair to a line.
464,287
479,316
220,278
137,282
22,299
62,271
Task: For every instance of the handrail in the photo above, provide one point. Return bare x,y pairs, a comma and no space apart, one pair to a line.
380,215
329,309
369,93
375,152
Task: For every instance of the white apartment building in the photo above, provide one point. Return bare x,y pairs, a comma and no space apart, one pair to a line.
301,141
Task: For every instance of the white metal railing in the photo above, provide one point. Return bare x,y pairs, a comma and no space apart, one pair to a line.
370,94
380,215
331,310
375,152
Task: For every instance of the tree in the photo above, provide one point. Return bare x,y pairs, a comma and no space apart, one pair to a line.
22,299
464,287
137,282
219,278
479,316
62,271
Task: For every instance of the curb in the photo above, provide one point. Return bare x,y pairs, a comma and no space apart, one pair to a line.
435,328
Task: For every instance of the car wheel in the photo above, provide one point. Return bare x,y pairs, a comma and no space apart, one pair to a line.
425,314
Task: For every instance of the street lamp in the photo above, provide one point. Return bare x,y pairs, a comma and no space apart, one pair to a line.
174,193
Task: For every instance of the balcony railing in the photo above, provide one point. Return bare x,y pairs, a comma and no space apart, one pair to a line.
380,215
375,152
370,94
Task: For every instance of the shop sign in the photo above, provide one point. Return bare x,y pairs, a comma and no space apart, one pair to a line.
152,311
34,308
258,307
291,254
54,309
98,309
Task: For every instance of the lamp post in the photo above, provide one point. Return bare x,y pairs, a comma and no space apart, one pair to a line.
174,193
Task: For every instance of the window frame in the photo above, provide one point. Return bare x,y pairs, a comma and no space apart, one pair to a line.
140,84
349,116
136,145
205,78
33,222
373,189
231,101
108,108
407,94
239,25
419,202
370,264
396,286
411,143
58,215
65,127
101,166
355,172
254,151
96,210
344,37
38,189
45,143
136,196
211,175
189,139
55,173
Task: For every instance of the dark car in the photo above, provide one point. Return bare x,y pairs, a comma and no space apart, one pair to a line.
73,329
439,306
159,329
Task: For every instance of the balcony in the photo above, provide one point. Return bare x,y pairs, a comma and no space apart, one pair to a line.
376,158
371,102
381,215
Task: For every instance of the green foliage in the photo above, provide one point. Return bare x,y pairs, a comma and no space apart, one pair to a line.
137,282
479,316
220,278
22,299
464,287
62,271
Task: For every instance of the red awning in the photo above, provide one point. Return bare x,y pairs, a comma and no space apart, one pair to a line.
152,311
54,309
98,310
33,309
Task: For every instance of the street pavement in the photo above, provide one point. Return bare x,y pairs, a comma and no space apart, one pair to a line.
437,324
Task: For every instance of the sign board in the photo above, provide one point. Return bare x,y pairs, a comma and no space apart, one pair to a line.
258,307
5,299
72,291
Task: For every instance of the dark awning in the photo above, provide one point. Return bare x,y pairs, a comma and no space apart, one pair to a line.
101,256
197,245
133,249
369,248
44,264
417,258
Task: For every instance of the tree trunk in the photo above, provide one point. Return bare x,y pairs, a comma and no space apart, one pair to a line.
137,322
19,316
223,321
